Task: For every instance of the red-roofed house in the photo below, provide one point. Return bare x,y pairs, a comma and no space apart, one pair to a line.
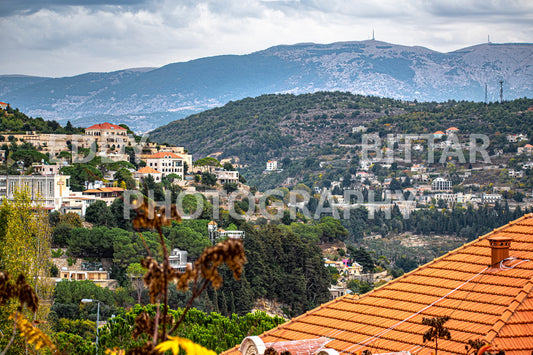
527,149
452,130
106,194
145,171
111,139
438,134
485,288
166,163
3,105
108,135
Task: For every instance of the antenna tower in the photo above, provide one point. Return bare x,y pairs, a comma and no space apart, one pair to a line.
373,38
501,91
485,93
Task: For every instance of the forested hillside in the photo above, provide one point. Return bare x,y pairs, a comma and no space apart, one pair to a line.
302,130
12,120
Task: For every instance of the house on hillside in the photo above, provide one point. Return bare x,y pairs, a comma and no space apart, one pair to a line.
485,288
167,163
225,176
108,135
3,105
527,149
441,184
452,130
438,134
106,194
145,171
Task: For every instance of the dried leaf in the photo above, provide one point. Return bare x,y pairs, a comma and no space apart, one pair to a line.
33,334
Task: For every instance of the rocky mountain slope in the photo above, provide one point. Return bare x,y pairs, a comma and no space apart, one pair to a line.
147,98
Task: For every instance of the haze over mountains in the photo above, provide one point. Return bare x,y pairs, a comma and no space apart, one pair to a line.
146,98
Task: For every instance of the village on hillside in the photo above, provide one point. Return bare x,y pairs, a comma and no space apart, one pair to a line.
66,184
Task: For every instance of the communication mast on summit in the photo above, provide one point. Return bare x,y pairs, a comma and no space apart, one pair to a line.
501,91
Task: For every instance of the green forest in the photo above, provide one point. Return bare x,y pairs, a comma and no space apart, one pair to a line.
300,130
14,121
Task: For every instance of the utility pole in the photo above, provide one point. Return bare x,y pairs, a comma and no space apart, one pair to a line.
501,91
485,93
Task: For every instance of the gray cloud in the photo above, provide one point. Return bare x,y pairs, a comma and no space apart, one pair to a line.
71,37
10,7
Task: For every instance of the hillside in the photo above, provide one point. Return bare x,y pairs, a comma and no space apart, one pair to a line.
304,130
146,98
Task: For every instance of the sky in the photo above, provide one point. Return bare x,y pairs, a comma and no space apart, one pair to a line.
68,37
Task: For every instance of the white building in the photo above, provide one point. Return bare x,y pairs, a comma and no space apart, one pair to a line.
513,138
215,232
516,173
357,129
272,165
490,198
224,176
441,184
178,259
167,163
47,190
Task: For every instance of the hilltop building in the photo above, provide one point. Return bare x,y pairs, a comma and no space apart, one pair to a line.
3,105
485,288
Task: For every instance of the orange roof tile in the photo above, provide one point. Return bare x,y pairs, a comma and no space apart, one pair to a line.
439,132
161,155
453,129
103,189
489,302
106,125
147,170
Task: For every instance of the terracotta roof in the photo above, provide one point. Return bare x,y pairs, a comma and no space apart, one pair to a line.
103,189
439,132
106,125
212,223
528,146
453,129
147,170
494,303
161,155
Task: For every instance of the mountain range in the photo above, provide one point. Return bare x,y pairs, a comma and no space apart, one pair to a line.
146,98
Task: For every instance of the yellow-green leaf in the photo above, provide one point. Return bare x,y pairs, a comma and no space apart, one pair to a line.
190,348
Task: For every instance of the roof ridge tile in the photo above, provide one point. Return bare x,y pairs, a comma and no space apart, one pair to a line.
511,309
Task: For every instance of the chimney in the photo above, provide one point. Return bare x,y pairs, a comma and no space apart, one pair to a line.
499,248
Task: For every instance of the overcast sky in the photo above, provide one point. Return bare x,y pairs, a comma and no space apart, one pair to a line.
69,37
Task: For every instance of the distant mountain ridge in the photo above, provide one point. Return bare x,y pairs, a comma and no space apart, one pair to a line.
145,98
